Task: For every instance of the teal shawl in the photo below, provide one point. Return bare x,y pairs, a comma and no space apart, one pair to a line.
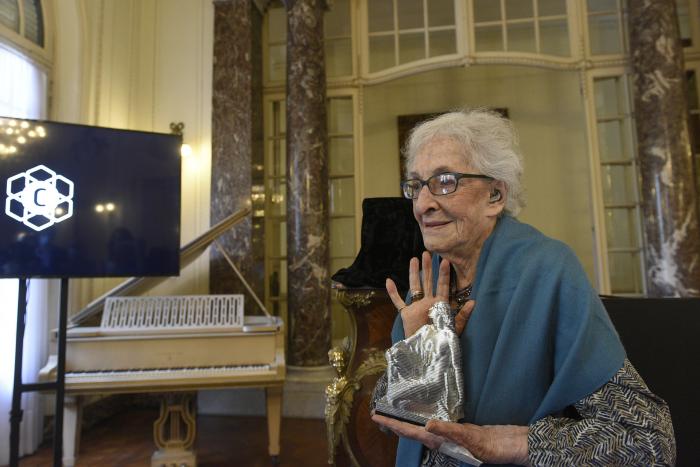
538,339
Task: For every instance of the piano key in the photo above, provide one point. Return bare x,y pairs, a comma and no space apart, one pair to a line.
146,373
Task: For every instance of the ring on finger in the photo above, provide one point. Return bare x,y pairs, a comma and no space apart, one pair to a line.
417,295
399,309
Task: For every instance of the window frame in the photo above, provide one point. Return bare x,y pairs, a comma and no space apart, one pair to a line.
601,248
40,56
694,66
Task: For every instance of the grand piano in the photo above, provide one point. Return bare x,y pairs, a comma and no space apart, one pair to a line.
124,342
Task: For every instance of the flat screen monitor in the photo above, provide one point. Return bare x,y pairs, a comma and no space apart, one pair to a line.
83,201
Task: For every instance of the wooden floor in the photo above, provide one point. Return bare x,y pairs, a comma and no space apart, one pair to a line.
126,440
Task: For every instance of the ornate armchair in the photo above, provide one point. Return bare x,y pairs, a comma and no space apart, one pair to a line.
390,237
353,439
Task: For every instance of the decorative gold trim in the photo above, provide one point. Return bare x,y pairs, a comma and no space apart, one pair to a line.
340,395
373,364
354,298
338,401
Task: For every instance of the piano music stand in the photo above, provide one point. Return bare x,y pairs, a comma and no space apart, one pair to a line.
59,385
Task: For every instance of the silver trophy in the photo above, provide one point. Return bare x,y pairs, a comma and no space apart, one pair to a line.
424,377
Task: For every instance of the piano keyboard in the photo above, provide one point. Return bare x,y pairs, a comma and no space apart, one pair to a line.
165,373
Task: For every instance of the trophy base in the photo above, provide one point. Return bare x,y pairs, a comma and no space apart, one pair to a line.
400,414
448,448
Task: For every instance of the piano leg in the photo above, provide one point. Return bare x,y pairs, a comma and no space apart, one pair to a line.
72,415
273,395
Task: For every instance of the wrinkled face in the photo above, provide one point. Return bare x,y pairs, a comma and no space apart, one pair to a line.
452,224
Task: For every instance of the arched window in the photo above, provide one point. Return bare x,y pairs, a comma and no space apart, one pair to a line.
25,18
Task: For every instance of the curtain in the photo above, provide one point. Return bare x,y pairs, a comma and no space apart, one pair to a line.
22,95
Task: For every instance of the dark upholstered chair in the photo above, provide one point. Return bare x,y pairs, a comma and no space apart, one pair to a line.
662,340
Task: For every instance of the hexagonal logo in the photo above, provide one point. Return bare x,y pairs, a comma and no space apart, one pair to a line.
39,198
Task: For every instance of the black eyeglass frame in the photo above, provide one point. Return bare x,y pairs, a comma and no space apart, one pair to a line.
458,177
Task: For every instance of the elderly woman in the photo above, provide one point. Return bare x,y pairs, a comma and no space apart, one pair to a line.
546,380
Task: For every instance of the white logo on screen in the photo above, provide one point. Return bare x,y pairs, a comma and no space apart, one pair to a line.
39,198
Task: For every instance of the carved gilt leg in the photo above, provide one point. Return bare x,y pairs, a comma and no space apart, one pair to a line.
72,415
335,409
175,430
340,396
273,396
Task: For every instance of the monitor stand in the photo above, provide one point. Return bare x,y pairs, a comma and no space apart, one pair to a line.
59,385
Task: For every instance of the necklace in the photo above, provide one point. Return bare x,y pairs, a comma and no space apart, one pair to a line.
461,296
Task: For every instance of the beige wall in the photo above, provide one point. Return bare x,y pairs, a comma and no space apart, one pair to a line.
141,64
545,107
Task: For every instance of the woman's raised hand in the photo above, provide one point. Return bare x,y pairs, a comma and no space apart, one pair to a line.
415,315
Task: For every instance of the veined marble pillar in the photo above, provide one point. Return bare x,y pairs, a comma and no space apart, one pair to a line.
669,203
237,142
308,280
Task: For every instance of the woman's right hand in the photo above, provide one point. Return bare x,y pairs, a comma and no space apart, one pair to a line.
415,315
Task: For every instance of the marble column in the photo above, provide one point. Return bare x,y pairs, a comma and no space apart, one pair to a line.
307,186
669,203
237,143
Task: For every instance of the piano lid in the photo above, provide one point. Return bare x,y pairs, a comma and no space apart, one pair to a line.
90,315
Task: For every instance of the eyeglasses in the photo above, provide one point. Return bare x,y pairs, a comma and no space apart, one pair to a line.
440,184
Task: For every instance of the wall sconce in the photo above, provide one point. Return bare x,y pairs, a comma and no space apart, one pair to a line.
177,128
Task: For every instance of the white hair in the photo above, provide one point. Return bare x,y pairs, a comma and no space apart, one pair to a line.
490,146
